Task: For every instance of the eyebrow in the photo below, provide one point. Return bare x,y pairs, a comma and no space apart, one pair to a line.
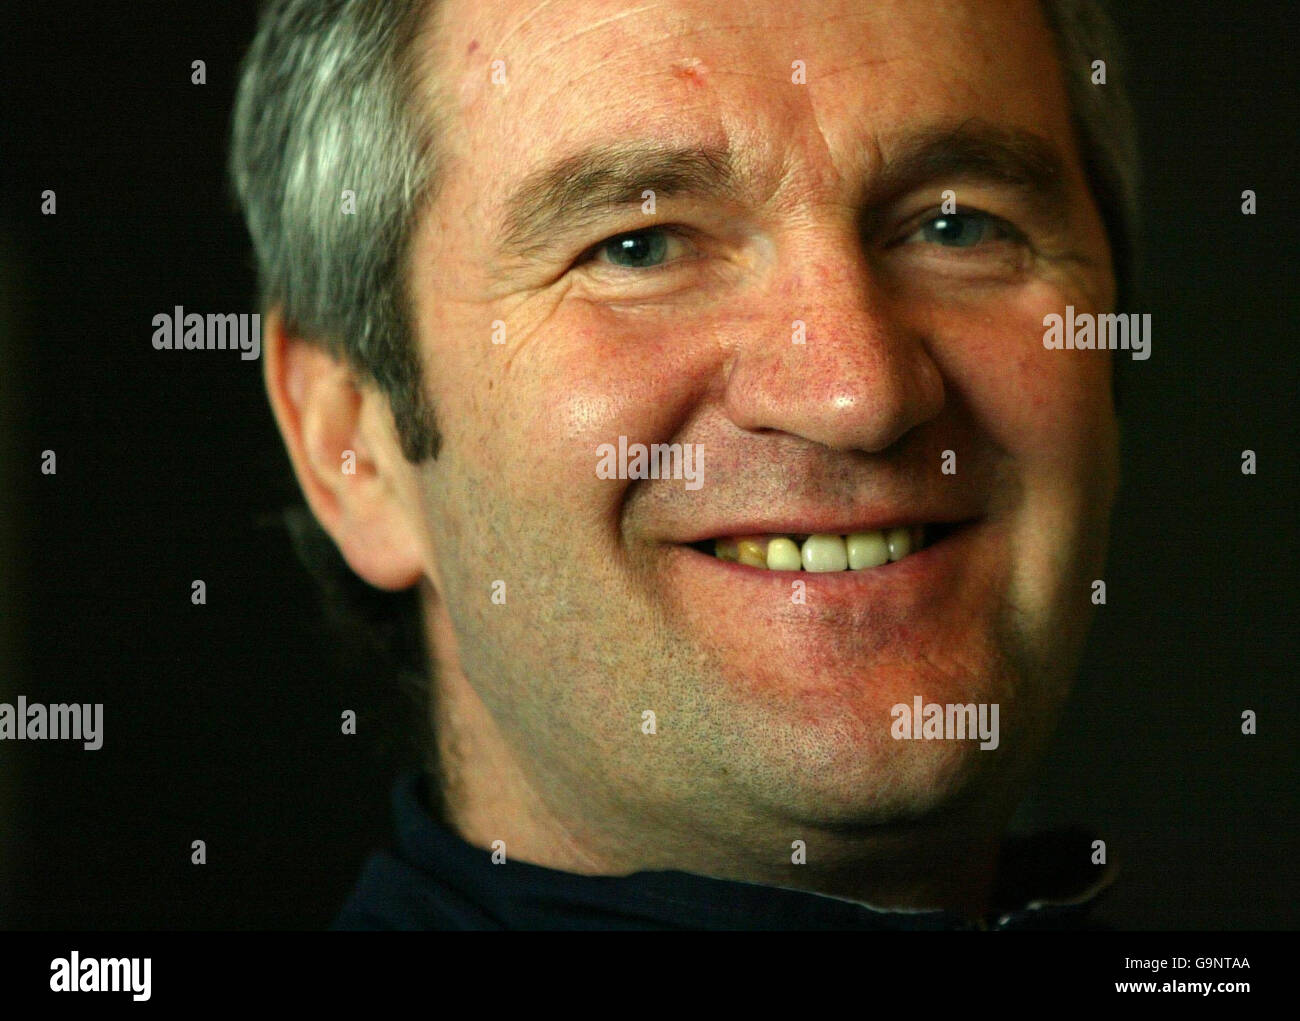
977,150
569,195
580,189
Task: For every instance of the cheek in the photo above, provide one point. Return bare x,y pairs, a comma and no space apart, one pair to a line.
598,378
1051,416
1051,411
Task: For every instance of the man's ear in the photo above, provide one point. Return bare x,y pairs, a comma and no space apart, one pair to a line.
341,440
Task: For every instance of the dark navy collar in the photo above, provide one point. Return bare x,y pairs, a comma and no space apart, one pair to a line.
435,880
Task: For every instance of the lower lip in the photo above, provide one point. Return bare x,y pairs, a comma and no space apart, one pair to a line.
917,577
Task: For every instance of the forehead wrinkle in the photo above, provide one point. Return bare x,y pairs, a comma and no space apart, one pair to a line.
780,71
633,48
715,73
823,76
594,26
682,33
524,21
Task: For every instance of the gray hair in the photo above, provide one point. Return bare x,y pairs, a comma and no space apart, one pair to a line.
1104,124
329,100
326,104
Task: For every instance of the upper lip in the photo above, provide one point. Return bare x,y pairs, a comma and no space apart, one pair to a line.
828,522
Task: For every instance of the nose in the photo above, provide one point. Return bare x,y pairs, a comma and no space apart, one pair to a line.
855,378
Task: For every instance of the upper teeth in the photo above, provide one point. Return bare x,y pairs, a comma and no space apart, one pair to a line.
821,553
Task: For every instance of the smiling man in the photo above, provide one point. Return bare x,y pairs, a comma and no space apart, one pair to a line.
810,247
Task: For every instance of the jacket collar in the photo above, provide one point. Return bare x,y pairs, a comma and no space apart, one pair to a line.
434,879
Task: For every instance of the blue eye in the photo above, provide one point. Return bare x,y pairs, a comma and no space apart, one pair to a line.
642,249
962,230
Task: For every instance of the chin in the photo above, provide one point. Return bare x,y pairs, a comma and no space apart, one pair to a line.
919,735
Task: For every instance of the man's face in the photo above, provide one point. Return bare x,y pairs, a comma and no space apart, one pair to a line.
779,197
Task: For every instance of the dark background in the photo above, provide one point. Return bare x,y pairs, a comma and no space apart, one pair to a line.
221,722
